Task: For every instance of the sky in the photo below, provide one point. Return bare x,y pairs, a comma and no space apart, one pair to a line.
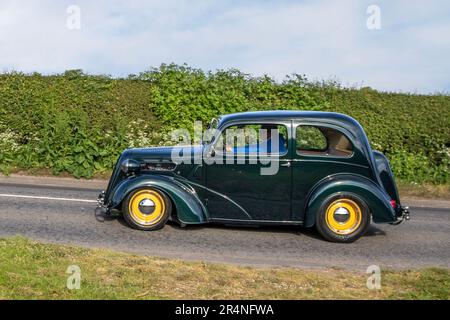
398,46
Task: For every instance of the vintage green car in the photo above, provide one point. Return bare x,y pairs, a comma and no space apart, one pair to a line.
299,168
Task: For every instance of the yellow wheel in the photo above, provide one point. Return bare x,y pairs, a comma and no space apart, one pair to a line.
146,209
343,218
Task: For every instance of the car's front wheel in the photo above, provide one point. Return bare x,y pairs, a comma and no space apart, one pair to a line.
146,209
343,218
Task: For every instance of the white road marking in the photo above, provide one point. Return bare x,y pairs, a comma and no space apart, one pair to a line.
45,198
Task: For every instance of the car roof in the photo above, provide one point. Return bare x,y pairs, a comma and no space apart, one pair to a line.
320,116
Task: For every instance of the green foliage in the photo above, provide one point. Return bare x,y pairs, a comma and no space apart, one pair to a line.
419,168
79,123
181,95
72,122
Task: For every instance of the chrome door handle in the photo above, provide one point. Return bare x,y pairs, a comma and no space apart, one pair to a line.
287,164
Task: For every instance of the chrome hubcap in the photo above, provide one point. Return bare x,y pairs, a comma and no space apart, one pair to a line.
341,215
146,206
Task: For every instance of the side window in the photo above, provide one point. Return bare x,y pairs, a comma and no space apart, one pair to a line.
310,139
322,141
253,139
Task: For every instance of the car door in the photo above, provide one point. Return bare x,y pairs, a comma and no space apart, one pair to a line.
319,151
251,184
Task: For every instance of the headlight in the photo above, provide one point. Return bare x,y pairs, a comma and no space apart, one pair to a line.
130,166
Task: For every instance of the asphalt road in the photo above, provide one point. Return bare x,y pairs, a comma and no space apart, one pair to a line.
422,241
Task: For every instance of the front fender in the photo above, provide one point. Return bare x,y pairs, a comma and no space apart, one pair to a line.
189,208
376,199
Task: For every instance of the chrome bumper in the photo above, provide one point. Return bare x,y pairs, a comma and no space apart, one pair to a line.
101,199
402,215
102,210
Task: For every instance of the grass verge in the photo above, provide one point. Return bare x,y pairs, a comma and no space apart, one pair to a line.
429,191
31,270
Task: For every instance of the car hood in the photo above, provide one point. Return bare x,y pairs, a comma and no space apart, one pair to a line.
156,154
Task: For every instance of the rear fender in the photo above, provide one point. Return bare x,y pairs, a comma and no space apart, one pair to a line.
386,175
375,198
189,208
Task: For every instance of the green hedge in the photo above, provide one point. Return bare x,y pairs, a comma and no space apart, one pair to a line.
79,123
71,122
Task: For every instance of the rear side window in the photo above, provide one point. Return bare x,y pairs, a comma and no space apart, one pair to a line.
322,141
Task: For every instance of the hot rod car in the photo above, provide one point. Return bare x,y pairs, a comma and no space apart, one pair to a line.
325,175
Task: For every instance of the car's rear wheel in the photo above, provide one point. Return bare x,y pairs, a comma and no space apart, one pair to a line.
343,218
146,209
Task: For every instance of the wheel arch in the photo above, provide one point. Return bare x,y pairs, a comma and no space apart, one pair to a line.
188,207
364,188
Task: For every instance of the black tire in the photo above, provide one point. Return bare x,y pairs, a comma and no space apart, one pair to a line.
158,198
325,228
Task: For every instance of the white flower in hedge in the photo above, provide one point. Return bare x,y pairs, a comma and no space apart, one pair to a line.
376,146
9,141
138,135
445,152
